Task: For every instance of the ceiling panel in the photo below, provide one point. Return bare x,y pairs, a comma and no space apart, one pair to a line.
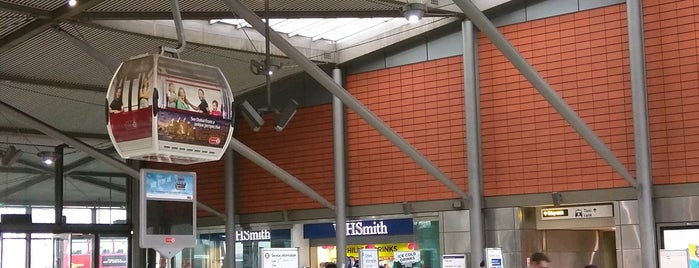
50,56
40,4
256,5
9,22
64,109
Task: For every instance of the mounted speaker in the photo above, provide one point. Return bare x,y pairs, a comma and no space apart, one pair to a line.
285,115
254,119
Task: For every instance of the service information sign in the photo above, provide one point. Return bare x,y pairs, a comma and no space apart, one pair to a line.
368,258
406,258
279,258
454,261
494,258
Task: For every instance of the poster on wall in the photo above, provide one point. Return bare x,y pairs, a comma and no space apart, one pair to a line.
279,258
494,258
676,258
368,258
453,261
693,256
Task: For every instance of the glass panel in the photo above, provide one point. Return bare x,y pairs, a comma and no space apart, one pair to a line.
113,252
81,251
42,251
43,215
111,215
427,238
14,250
78,215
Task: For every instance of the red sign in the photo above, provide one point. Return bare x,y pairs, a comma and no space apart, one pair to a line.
214,140
132,125
169,240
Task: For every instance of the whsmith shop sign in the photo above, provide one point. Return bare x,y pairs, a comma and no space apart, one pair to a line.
360,228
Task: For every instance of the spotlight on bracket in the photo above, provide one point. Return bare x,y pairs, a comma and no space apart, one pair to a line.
47,157
413,12
254,119
285,115
11,156
262,68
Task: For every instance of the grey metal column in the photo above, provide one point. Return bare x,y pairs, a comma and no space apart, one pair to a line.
280,173
137,255
473,141
229,259
349,100
340,175
50,131
58,184
499,40
637,56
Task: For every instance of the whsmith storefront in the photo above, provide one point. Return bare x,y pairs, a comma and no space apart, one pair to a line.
210,248
388,236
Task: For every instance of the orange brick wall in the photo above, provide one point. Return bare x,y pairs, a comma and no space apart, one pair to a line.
424,104
527,146
673,88
304,149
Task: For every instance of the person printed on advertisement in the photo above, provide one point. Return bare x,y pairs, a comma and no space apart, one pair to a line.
203,105
171,96
144,93
116,106
182,102
214,108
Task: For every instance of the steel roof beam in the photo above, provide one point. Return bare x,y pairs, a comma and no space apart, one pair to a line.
25,10
100,183
24,185
38,26
79,135
167,15
50,83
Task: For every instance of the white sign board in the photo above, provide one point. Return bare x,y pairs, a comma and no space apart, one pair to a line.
678,258
406,258
368,258
454,261
279,257
581,212
494,258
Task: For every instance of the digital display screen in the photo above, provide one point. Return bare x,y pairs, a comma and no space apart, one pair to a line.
169,218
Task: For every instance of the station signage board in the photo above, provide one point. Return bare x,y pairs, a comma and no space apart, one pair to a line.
577,212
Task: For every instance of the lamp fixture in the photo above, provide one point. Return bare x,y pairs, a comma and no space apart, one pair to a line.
285,115
11,156
72,3
47,157
413,12
262,68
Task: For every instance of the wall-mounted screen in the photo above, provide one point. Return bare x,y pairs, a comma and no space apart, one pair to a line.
167,210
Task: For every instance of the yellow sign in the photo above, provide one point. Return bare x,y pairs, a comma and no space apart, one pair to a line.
385,250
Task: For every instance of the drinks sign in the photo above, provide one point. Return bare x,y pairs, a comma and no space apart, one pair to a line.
406,258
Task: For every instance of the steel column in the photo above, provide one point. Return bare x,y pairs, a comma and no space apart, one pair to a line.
58,185
473,141
79,145
340,178
637,57
228,176
314,71
499,40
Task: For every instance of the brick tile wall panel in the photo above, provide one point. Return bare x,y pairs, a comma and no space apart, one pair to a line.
304,149
424,104
527,146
